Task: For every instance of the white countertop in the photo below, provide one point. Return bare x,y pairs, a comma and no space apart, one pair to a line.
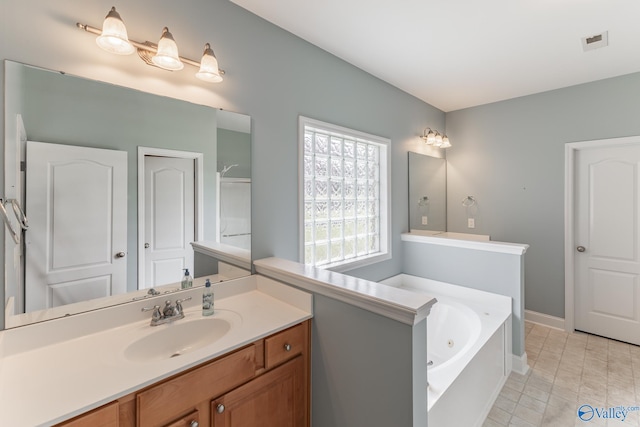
461,240
53,371
398,304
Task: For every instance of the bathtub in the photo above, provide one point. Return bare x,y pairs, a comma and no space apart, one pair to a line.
468,349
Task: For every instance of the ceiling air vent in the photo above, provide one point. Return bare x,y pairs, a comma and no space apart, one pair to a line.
596,41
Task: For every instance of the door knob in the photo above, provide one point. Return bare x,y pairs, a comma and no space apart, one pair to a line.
120,254
146,246
581,249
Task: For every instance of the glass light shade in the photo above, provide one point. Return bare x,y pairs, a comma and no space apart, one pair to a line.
431,137
445,142
438,141
209,66
167,56
114,37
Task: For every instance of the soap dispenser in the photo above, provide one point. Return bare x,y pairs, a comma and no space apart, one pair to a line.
207,299
187,280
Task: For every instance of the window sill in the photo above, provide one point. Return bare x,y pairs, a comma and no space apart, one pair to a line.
352,264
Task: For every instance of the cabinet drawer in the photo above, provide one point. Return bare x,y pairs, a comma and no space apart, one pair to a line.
285,345
161,404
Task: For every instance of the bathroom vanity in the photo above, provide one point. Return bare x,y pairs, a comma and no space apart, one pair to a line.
249,361
264,383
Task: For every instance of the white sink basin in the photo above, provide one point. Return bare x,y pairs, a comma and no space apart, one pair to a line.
175,339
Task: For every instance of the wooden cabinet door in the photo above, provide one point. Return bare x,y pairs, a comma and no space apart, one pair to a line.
275,399
160,404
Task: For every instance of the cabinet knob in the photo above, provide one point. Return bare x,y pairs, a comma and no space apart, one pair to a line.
120,254
287,347
194,423
581,249
220,408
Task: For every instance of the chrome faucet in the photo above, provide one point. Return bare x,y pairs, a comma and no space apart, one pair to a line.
168,314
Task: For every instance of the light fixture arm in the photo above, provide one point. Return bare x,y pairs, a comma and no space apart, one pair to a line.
146,47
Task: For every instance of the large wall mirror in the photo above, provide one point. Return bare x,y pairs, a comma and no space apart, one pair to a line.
427,193
117,185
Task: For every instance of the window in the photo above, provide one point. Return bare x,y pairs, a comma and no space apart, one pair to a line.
344,194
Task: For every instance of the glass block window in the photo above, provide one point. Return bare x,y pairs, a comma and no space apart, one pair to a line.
344,195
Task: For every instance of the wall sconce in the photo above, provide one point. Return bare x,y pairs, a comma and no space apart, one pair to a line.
434,138
114,39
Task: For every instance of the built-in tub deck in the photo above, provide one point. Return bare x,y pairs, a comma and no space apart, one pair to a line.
468,349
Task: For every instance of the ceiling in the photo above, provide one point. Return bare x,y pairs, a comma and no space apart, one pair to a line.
455,54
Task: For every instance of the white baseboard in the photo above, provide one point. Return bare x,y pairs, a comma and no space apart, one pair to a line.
544,319
519,364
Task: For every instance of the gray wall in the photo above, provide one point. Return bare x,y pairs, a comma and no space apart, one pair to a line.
234,148
510,156
349,344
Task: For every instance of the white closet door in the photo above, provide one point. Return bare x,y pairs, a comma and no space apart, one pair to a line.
169,218
607,262
76,244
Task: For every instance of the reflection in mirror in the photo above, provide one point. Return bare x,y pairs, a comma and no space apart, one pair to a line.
117,184
427,193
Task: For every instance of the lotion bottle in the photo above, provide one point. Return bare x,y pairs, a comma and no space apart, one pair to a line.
187,280
207,299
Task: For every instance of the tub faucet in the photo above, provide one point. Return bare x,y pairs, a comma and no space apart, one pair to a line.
168,314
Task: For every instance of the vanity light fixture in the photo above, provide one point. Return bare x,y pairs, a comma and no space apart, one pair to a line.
209,71
167,55
435,138
114,39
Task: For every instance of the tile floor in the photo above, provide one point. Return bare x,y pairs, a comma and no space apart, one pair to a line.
566,372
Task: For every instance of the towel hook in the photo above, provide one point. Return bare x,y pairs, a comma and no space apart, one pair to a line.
468,201
17,210
5,219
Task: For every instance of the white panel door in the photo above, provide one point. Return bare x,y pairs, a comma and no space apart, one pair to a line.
607,293
169,219
76,244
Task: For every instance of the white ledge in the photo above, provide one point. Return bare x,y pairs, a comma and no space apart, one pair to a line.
488,245
226,253
397,304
